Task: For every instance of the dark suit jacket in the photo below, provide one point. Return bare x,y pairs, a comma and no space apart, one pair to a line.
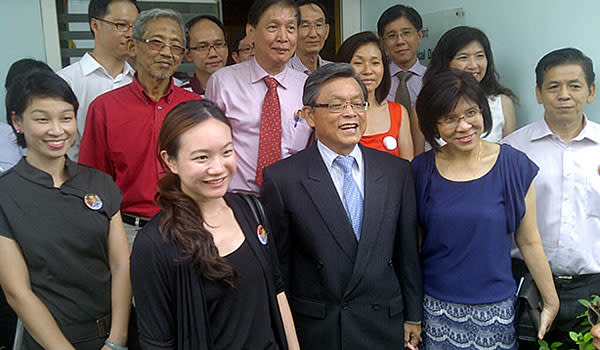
344,294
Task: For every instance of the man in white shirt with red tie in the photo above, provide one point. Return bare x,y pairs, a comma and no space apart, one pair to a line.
262,96
565,144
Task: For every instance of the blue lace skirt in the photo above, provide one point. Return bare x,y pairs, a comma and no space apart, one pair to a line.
462,326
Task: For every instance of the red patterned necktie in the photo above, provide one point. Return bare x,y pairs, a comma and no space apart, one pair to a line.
269,142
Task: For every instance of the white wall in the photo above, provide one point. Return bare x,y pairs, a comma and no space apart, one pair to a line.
521,32
21,36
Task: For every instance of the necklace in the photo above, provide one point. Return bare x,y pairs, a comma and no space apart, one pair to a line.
215,216
473,173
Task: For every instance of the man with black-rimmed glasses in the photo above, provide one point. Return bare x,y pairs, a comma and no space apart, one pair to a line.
122,125
207,50
106,67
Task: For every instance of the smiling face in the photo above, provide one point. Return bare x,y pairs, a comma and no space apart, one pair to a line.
401,41
368,65
159,64
206,33
274,38
465,135
472,59
107,38
338,131
313,31
564,94
49,127
205,160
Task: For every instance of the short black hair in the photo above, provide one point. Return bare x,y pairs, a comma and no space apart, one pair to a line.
24,67
395,12
358,40
99,8
561,57
197,19
259,7
440,95
317,3
235,46
36,85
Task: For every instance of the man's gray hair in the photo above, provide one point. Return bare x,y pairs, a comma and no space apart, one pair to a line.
312,86
139,26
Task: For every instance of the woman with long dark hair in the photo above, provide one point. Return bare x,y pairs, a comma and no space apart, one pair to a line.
388,123
468,49
64,257
203,273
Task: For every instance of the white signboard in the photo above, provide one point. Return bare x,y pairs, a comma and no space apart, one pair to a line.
435,24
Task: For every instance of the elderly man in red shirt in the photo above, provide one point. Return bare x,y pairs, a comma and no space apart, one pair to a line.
122,125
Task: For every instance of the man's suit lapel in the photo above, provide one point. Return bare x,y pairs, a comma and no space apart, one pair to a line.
375,187
322,191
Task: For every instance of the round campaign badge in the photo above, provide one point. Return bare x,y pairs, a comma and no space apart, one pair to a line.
262,234
390,143
92,201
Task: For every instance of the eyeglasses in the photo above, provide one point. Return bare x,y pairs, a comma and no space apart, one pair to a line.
339,107
205,48
246,49
405,34
158,45
307,27
119,26
452,121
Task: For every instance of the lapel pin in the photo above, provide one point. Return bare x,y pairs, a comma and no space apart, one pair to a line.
262,234
92,201
390,143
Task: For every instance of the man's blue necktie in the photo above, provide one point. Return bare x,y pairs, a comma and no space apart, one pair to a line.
353,201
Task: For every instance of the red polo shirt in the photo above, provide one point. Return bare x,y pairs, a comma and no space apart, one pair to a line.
120,138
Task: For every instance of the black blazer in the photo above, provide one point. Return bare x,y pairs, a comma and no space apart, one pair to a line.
345,294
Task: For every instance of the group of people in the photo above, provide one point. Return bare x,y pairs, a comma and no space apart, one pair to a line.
398,205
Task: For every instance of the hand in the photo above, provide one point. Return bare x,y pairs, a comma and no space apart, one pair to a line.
596,333
548,314
104,347
412,335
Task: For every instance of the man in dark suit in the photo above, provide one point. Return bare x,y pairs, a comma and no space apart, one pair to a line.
344,221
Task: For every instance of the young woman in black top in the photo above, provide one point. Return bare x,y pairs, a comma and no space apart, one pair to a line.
64,256
202,270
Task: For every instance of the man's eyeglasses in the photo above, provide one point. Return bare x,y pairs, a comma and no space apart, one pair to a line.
119,26
339,107
246,49
205,47
405,34
158,45
307,27
452,121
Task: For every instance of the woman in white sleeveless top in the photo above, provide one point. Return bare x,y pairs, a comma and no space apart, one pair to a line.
468,49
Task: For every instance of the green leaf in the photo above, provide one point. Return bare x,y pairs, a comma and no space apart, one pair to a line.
584,302
556,344
574,336
587,337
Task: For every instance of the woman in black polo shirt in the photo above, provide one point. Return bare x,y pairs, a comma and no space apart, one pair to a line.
64,264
